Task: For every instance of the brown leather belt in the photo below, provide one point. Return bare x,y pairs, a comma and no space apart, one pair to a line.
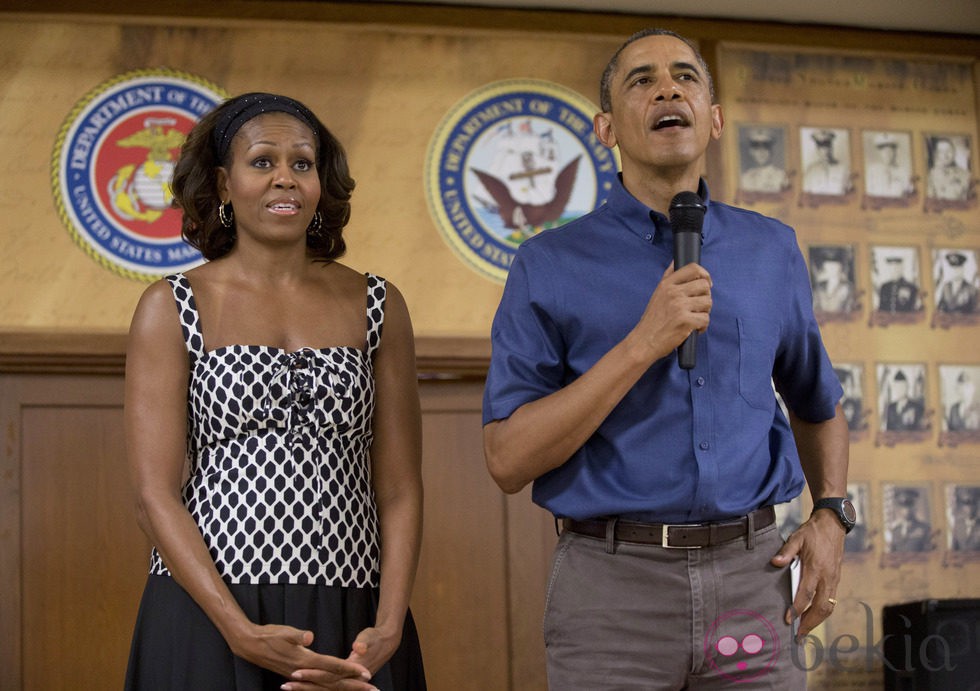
684,535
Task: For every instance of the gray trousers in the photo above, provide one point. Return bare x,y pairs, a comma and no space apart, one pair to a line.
642,617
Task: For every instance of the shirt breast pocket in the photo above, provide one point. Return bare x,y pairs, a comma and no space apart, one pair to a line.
757,340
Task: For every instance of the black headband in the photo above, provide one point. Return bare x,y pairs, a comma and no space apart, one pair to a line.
251,105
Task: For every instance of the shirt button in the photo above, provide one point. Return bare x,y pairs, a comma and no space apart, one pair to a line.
648,237
703,446
700,381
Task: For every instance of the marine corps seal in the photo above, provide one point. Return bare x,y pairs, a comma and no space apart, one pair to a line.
112,164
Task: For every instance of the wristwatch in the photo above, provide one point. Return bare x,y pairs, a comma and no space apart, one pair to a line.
842,508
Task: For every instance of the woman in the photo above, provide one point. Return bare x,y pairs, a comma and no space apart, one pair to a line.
285,553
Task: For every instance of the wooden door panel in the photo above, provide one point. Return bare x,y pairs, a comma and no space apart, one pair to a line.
460,598
74,558
84,559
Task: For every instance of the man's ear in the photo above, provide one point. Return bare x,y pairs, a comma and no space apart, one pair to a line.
603,128
717,121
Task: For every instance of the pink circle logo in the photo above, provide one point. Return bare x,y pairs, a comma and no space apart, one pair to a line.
741,645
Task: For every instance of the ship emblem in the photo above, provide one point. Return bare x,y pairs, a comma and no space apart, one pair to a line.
510,160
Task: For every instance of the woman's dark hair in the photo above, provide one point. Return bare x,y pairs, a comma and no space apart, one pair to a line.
195,187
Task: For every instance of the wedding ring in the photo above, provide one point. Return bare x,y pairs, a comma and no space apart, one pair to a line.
832,601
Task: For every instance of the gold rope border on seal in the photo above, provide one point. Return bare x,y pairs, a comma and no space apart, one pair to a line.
440,139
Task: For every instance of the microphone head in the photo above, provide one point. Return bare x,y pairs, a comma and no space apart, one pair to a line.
687,212
682,199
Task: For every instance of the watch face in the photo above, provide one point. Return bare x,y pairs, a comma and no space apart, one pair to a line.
848,509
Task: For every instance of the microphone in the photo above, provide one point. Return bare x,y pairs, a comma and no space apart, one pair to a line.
686,218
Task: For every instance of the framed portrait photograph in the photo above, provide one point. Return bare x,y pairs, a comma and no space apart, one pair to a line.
832,280
902,397
762,159
963,518
887,159
826,156
895,280
859,539
955,279
851,376
949,177
908,523
960,403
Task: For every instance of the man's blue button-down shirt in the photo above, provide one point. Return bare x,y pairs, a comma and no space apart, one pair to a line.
683,445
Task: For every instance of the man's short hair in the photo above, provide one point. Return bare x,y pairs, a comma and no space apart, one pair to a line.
605,86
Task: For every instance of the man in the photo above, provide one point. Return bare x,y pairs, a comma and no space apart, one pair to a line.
908,532
857,539
966,519
964,414
948,181
897,294
957,295
904,413
850,402
585,398
763,175
833,289
827,174
886,178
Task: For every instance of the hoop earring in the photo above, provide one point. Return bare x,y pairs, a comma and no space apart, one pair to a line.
226,214
316,225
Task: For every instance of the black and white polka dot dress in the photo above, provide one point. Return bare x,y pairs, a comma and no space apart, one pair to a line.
280,487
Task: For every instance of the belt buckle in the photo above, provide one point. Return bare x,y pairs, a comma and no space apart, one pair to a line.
664,539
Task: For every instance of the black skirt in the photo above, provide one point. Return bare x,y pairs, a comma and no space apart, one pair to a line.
177,648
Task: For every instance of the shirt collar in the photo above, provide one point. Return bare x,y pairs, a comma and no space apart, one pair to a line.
638,216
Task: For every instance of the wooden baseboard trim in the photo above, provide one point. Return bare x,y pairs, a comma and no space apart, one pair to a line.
438,358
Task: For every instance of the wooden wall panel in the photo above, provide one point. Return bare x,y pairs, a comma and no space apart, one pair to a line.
84,558
71,547
531,539
461,594
73,560
10,501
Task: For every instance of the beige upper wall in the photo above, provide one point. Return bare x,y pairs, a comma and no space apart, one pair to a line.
382,87
382,91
